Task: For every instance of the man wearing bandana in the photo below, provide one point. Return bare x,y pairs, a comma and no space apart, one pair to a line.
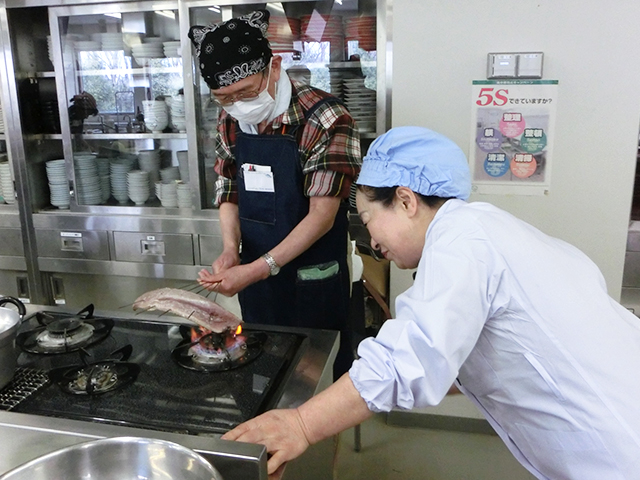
287,155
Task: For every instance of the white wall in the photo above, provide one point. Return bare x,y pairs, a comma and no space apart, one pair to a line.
592,48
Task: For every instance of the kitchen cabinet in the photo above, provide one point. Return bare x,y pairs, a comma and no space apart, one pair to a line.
116,129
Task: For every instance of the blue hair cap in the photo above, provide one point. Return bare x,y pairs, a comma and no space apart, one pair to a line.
420,159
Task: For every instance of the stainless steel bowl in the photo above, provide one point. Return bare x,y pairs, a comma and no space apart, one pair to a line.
119,458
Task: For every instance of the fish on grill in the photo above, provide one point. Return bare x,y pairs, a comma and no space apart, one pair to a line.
194,307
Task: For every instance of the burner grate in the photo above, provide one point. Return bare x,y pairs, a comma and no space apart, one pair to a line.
25,383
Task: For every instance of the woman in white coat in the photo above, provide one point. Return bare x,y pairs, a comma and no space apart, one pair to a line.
520,321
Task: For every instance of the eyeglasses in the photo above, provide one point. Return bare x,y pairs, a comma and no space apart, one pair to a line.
240,96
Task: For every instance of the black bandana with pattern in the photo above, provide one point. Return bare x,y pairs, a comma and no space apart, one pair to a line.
230,51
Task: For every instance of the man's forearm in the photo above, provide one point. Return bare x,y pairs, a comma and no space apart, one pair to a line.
319,220
230,226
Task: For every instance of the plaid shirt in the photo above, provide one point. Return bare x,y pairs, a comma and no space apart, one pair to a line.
329,146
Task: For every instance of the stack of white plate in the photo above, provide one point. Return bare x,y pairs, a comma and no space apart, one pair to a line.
58,183
50,48
149,161
183,164
1,119
88,189
169,174
171,49
169,194
184,195
156,115
142,52
361,103
119,168
178,119
6,183
138,186
109,41
336,78
87,45
105,179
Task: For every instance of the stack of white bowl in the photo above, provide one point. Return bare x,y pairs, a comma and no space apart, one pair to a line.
119,168
149,161
210,112
156,115
184,195
1,119
169,174
109,41
171,49
6,183
105,179
169,194
87,45
150,48
178,119
58,183
88,189
138,186
183,164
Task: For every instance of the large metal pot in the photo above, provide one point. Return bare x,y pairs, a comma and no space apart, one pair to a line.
119,458
9,323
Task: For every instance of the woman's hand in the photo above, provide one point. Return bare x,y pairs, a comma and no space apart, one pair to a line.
282,432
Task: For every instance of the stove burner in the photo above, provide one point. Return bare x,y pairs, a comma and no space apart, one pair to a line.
213,352
64,325
57,333
50,339
99,377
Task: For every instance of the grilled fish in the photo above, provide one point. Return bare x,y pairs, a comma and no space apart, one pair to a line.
194,307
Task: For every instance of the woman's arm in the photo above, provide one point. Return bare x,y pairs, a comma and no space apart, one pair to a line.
288,433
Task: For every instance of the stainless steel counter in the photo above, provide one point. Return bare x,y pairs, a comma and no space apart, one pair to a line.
25,437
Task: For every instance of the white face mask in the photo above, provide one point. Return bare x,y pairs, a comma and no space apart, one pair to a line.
255,110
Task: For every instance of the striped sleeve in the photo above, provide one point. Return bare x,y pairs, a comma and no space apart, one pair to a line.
331,148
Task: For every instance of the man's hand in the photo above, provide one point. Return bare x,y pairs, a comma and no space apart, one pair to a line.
232,280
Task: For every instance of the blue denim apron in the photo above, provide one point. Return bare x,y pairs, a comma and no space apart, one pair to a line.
266,218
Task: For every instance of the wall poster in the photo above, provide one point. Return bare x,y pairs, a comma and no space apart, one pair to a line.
512,136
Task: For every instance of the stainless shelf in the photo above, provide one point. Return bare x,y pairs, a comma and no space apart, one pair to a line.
111,136
133,136
130,71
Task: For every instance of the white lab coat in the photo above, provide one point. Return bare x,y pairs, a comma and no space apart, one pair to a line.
525,324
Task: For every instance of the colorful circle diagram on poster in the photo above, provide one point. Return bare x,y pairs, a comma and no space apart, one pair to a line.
533,140
523,165
489,139
496,164
512,124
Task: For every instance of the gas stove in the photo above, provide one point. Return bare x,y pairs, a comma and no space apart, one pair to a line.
151,374
46,405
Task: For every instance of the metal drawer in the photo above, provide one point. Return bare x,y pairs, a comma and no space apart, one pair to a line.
210,248
11,242
90,245
154,248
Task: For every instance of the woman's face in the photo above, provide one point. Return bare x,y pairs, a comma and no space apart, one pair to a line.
393,230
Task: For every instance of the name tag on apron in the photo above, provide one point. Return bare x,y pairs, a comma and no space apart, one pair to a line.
257,178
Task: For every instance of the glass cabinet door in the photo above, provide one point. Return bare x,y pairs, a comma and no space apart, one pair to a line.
328,44
122,86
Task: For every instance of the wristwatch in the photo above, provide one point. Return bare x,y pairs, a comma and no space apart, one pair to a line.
274,268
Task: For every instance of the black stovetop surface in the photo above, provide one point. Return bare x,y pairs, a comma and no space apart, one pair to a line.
165,396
